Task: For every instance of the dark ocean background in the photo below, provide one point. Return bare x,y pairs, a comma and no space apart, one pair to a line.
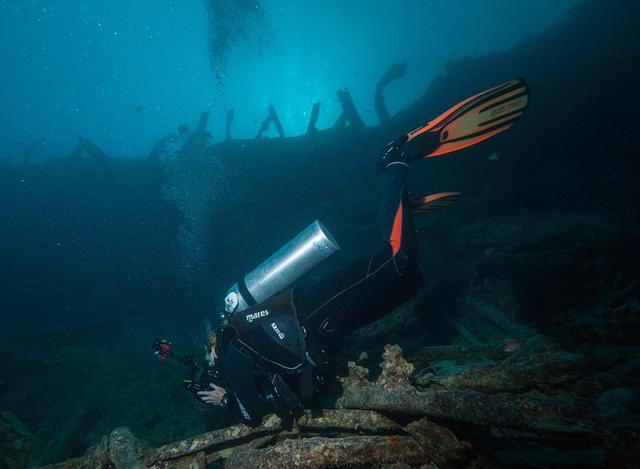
117,228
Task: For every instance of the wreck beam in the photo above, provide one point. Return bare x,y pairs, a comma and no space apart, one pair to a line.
276,121
315,112
202,122
349,113
227,132
441,444
227,435
86,146
434,353
558,414
264,126
350,421
395,72
331,420
272,117
320,452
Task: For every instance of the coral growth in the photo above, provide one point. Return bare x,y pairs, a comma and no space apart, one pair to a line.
395,369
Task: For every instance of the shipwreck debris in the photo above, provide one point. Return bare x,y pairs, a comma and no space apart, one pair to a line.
390,422
227,132
88,148
315,112
395,72
202,122
351,435
537,363
119,449
272,117
349,114
561,413
441,444
395,369
346,421
322,452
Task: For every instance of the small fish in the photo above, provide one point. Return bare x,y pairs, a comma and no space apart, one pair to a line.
511,345
495,156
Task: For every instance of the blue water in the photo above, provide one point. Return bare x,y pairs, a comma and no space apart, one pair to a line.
125,73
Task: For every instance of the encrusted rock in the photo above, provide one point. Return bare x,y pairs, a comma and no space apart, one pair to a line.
356,378
120,450
440,443
459,353
395,369
321,452
560,414
536,364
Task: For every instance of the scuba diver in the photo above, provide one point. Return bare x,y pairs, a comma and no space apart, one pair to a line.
271,346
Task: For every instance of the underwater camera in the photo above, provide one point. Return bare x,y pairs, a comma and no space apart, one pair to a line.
201,376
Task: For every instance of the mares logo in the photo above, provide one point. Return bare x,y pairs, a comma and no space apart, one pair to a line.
259,314
275,328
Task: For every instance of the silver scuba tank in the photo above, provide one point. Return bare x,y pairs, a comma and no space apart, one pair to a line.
283,268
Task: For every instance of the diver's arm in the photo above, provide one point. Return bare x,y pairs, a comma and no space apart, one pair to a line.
217,395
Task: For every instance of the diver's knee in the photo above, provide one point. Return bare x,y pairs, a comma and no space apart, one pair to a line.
406,263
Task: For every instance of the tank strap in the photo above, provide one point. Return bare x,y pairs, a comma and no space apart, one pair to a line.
246,294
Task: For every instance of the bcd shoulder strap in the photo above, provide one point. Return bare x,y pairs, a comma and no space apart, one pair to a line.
278,305
272,332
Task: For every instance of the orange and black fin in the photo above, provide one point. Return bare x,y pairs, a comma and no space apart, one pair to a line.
471,121
432,202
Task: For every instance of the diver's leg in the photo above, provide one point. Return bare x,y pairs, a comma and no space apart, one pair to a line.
395,213
372,287
365,291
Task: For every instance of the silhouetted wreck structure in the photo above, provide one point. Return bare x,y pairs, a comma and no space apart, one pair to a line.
229,123
85,148
349,116
315,113
271,118
395,72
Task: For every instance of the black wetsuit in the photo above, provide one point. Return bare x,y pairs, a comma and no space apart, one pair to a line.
372,287
329,310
